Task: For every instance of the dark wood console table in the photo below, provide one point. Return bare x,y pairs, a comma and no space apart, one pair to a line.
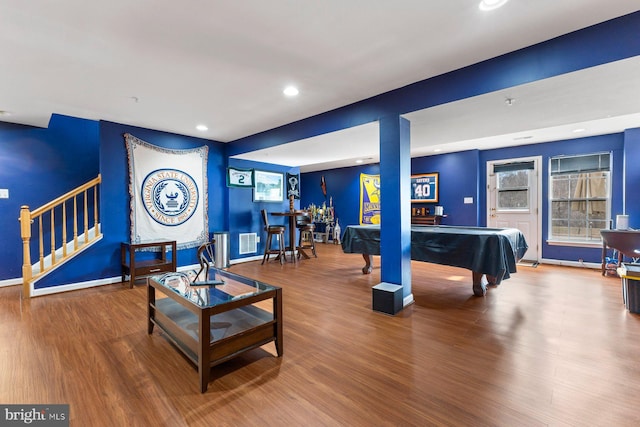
427,219
153,262
626,242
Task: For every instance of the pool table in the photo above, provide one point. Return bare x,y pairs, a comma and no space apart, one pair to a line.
490,253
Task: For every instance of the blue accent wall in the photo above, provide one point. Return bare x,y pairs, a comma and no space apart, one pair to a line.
343,187
244,213
36,166
458,177
103,259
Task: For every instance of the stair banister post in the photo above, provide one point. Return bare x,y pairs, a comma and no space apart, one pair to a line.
25,233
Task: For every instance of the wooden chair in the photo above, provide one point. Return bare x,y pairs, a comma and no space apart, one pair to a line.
273,230
306,240
206,259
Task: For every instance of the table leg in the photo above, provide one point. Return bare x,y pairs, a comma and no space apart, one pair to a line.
151,311
368,268
292,237
479,284
204,367
277,310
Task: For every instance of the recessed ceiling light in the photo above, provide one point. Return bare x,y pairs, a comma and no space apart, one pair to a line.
579,130
437,150
202,128
491,4
359,161
291,91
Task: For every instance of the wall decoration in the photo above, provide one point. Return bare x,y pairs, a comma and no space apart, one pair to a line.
269,186
239,177
168,190
369,199
293,185
424,188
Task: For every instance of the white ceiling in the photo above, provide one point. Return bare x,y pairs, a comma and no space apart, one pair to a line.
172,65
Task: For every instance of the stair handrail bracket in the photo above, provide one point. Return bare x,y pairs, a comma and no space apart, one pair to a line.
60,249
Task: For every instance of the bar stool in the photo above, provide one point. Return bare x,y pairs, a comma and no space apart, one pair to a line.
306,229
273,230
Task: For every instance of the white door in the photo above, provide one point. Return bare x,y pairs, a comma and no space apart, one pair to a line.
513,199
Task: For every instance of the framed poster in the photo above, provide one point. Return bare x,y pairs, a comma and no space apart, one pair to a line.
239,177
424,188
268,187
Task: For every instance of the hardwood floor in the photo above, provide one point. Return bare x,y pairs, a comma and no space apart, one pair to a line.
550,346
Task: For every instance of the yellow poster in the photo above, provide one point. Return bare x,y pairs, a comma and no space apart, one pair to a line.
369,199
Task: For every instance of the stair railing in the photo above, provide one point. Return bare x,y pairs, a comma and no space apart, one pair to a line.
58,249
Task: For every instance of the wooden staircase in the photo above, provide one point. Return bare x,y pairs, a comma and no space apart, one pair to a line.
76,213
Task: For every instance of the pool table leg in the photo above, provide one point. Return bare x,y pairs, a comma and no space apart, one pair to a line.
479,284
368,268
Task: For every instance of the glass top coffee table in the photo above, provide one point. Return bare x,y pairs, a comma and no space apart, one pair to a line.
214,320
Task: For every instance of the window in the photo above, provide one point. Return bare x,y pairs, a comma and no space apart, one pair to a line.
579,197
512,183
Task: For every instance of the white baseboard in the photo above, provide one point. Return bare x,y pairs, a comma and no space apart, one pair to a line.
100,282
565,263
11,282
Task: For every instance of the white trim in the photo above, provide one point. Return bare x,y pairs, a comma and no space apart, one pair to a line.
408,300
564,263
575,243
98,282
73,286
247,259
11,282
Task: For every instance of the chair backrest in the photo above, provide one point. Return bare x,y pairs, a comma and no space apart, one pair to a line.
265,219
206,258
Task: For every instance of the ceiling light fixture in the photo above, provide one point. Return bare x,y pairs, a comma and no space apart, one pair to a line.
359,161
291,91
437,150
202,128
579,130
486,5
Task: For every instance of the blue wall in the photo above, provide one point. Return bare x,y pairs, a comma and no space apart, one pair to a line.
244,213
458,178
103,259
343,185
464,174
36,166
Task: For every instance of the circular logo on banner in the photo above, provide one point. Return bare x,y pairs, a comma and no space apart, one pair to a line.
170,196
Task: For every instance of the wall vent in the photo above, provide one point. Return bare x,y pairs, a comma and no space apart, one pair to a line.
248,243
